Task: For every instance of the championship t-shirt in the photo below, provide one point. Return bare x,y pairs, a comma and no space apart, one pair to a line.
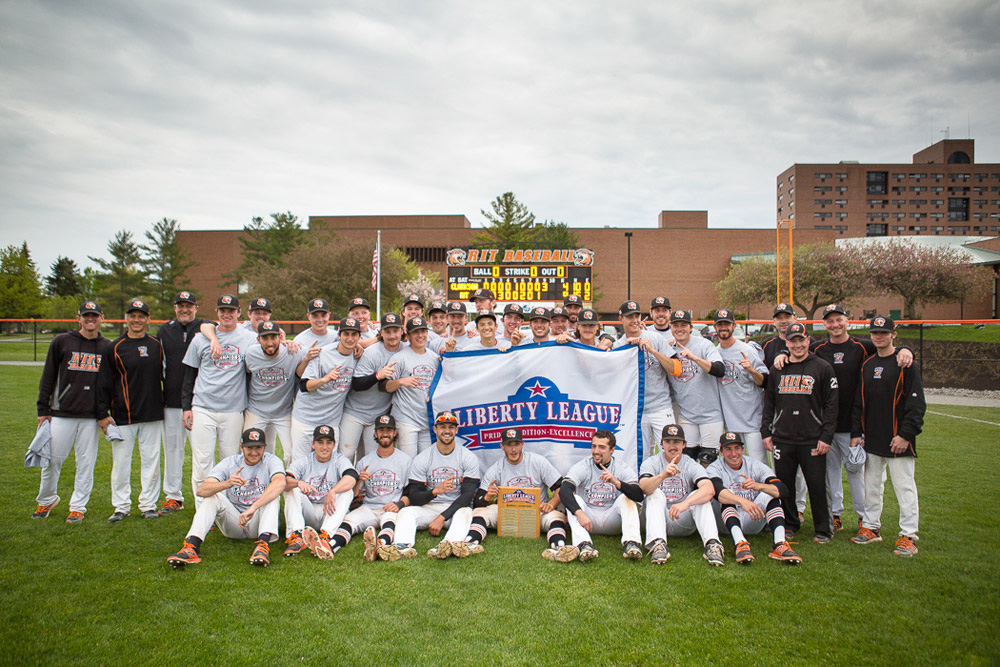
675,488
221,385
594,491
533,472
325,405
695,391
752,468
741,399
273,382
257,477
322,476
433,467
409,404
389,476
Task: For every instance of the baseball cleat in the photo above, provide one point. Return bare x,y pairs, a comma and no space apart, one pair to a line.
659,553
714,553
74,517
783,552
567,553
475,548
322,548
150,514
462,549
170,506
388,552
408,552
186,556
441,551
549,554
905,547
42,511
587,552
310,538
370,545
838,523
117,516
295,544
743,554
631,551
823,539
866,536
260,556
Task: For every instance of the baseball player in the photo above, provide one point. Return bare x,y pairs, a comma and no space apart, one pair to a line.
457,338
695,389
659,310
384,474
513,317
260,312
798,422
365,402
486,327
740,387
660,362
587,327
443,482
559,321
784,316
319,334
539,320
607,502
888,416
241,497
131,390
360,310
678,500
517,469
318,493
749,495
272,387
484,299
215,390
573,305
67,397
437,321
175,336
414,368
323,388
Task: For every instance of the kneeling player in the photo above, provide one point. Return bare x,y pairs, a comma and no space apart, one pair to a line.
522,470
319,489
443,482
241,496
749,494
678,494
607,500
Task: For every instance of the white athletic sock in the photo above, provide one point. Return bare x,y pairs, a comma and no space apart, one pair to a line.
779,534
737,533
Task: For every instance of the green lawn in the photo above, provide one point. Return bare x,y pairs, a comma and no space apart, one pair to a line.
102,593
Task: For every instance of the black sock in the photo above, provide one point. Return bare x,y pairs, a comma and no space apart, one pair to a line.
557,534
477,531
341,536
264,537
195,542
388,533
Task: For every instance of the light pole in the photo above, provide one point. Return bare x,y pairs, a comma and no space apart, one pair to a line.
628,237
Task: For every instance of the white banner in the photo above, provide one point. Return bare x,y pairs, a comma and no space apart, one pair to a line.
558,395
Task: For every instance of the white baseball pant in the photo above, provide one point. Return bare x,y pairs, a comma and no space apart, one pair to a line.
366,516
652,429
412,440
218,510
835,482
207,428
748,524
69,433
659,525
302,437
149,435
901,470
174,435
490,514
621,517
301,512
413,518
276,429
753,444
703,435
353,433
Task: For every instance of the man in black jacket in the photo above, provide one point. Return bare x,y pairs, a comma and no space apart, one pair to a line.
800,416
889,414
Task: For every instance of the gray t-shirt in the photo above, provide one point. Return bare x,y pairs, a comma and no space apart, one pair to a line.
695,391
499,345
752,468
656,394
533,472
675,488
322,476
367,405
594,491
272,382
325,405
433,467
389,476
742,400
257,477
221,385
308,337
409,404
462,342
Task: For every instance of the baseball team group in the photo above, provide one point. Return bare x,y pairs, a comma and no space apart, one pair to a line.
349,406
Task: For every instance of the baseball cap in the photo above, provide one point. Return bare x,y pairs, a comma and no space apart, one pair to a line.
267,328
350,324
324,432
795,329
724,315
681,316
254,437
511,435
540,313
446,417
672,432
385,421
513,308
573,300
227,301
486,316
413,298
730,438
588,316
482,293
391,320
186,297
437,306
784,308
260,303
834,308
415,324
559,311
138,304
90,307
855,459
628,308
881,323
660,301
318,305
456,307
358,302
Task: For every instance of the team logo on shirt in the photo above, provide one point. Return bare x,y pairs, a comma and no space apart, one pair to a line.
688,370
523,480
424,375
732,373
84,361
601,494
274,376
673,489
838,357
230,358
382,483
878,373
737,488
442,473
796,384
143,351
322,486
247,494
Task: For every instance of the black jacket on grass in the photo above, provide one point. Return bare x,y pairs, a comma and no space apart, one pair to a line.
800,403
889,402
68,387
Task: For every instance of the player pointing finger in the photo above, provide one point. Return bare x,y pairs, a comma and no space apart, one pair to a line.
235,479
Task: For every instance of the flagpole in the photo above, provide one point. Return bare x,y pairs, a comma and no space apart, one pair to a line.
378,276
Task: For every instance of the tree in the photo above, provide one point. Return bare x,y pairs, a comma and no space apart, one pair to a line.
20,286
121,278
554,235
511,225
164,262
65,279
429,289
268,244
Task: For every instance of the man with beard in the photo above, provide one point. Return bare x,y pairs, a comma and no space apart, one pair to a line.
659,310
695,389
272,388
740,388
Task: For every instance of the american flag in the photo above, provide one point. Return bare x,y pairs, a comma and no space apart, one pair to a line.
375,268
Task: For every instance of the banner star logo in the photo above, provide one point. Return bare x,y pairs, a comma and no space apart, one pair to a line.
538,390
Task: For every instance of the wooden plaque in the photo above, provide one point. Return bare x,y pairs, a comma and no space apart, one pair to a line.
517,512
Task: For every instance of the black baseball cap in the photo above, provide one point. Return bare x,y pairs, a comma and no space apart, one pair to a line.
511,435
318,305
358,302
350,324
324,432
385,421
881,324
456,307
724,315
795,329
573,300
486,316
660,301
540,313
90,307
681,316
413,298
260,303
784,308
559,311
415,324
730,438
139,305
628,308
446,417
254,437
672,432
391,320
588,316
513,308
227,301
186,297
268,328
834,308
482,293
437,306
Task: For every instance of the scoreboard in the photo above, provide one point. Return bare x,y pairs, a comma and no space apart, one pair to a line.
520,283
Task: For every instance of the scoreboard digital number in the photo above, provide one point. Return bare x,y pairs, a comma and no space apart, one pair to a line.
520,283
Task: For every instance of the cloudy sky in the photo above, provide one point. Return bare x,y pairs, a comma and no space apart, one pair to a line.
116,114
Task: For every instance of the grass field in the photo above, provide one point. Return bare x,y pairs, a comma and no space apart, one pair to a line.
102,593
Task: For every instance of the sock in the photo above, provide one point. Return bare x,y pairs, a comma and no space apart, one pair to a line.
557,534
388,532
776,520
341,536
264,537
732,520
195,542
477,531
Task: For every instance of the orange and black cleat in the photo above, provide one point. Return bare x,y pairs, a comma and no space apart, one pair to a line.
783,552
186,556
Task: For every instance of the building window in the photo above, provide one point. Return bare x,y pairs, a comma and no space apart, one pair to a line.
980,202
918,176
899,177
876,202
979,176
937,176
918,202
841,176
937,202
431,255
900,215
817,214
878,230
820,189
841,202
842,189
937,188
842,216
876,182
822,226
822,176
822,202
898,190
959,157
958,208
